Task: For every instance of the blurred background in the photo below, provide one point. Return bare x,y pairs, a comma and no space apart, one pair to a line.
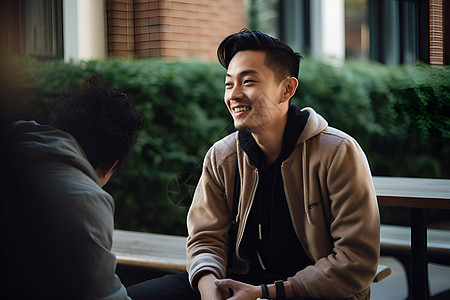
376,69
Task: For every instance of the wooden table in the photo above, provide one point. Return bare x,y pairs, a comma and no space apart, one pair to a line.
418,194
168,252
158,251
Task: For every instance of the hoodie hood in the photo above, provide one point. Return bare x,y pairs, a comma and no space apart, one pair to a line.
49,144
315,125
301,125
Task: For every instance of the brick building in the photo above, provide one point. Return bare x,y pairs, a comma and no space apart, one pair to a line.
438,25
401,31
169,28
96,29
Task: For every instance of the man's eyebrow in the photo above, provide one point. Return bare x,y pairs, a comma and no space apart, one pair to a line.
245,72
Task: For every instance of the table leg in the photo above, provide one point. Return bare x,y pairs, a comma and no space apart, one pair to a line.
419,261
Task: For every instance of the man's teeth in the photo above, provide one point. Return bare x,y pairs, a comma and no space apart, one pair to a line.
241,108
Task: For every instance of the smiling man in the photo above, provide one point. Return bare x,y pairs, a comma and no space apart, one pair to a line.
285,206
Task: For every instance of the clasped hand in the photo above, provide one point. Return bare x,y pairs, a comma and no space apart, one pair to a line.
237,290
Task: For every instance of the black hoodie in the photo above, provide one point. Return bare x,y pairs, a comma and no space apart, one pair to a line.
269,241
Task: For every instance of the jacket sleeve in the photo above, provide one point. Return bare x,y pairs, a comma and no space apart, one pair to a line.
93,222
208,222
354,228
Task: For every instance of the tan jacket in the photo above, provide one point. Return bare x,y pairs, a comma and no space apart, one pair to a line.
332,203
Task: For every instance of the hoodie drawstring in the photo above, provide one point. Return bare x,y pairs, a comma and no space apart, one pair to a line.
305,182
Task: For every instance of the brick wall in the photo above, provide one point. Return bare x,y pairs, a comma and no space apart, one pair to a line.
171,29
148,16
436,32
120,28
447,32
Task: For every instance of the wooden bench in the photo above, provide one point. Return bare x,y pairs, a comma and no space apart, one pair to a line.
396,241
417,194
166,252
151,250
382,272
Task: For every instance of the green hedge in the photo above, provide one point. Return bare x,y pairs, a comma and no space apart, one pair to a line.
399,115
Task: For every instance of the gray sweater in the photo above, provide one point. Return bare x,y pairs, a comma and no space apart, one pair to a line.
57,220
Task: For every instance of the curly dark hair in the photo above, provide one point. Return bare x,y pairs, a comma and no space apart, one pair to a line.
102,119
279,56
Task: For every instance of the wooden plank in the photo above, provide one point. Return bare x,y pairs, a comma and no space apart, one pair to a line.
400,237
413,202
382,272
167,252
413,192
150,250
396,240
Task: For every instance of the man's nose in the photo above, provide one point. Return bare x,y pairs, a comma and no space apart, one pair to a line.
235,93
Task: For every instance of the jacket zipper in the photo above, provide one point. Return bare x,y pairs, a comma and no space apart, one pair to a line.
245,223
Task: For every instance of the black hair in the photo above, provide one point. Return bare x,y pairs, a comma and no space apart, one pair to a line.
280,57
101,119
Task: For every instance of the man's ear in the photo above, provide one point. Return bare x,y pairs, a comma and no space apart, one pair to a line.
290,86
105,175
111,169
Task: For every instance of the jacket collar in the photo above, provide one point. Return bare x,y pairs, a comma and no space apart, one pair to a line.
295,125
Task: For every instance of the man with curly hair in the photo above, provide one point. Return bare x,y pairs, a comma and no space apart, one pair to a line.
57,221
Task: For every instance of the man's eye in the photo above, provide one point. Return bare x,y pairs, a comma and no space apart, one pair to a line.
228,84
248,81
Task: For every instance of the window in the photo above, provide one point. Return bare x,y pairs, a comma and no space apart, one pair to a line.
295,24
397,29
357,43
43,29
389,31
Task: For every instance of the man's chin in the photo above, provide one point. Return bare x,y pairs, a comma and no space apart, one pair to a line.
241,126
252,129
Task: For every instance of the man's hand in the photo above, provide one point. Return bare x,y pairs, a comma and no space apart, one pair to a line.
241,291
209,291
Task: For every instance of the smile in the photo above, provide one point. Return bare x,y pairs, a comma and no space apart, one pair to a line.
241,109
